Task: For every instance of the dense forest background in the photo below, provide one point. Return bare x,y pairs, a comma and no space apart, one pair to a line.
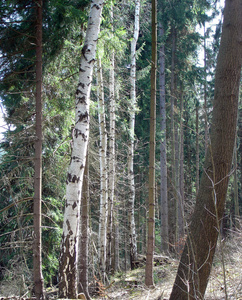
188,42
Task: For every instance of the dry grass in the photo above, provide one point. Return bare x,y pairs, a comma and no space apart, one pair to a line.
131,285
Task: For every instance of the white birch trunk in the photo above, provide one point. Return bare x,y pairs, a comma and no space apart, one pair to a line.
132,231
111,176
103,171
69,243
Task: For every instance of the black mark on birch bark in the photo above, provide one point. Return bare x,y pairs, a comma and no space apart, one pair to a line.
83,117
81,100
82,85
69,227
72,179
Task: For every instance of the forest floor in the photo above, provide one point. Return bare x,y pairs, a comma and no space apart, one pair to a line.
130,285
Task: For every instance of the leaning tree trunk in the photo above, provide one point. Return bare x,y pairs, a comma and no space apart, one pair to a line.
37,245
151,219
132,231
69,243
196,261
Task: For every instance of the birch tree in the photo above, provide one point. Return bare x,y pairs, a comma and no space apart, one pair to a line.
132,231
111,171
103,171
69,243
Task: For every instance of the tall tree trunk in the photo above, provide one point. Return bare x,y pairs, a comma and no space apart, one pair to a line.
173,203
236,191
37,245
111,175
69,242
83,253
196,261
151,219
240,146
205,91
163,156
197,147
132,231
103,172
181,180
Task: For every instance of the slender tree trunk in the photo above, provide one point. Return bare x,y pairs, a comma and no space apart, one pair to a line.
151,219
181,181
111,176
37,245
205,91
173,209
69,243
240,145
103,172
236,191
197,147
132,231
163,156
196,261
83,253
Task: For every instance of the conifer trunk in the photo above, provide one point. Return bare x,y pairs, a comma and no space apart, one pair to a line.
69,243
197,147
37,245
173,203
196,261
163,156
151,219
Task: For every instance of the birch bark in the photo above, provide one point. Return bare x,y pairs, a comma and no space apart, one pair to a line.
69,243
111,175
103,171
83,247
132,231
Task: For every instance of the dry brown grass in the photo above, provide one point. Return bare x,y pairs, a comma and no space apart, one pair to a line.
131,285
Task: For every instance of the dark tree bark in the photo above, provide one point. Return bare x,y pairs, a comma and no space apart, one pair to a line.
37,244
151,220
196,261
163,146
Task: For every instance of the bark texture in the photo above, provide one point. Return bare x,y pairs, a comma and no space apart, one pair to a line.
37,245
69,243
83,253
132,231
103,171
163,146
151,220
196,261
111,171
